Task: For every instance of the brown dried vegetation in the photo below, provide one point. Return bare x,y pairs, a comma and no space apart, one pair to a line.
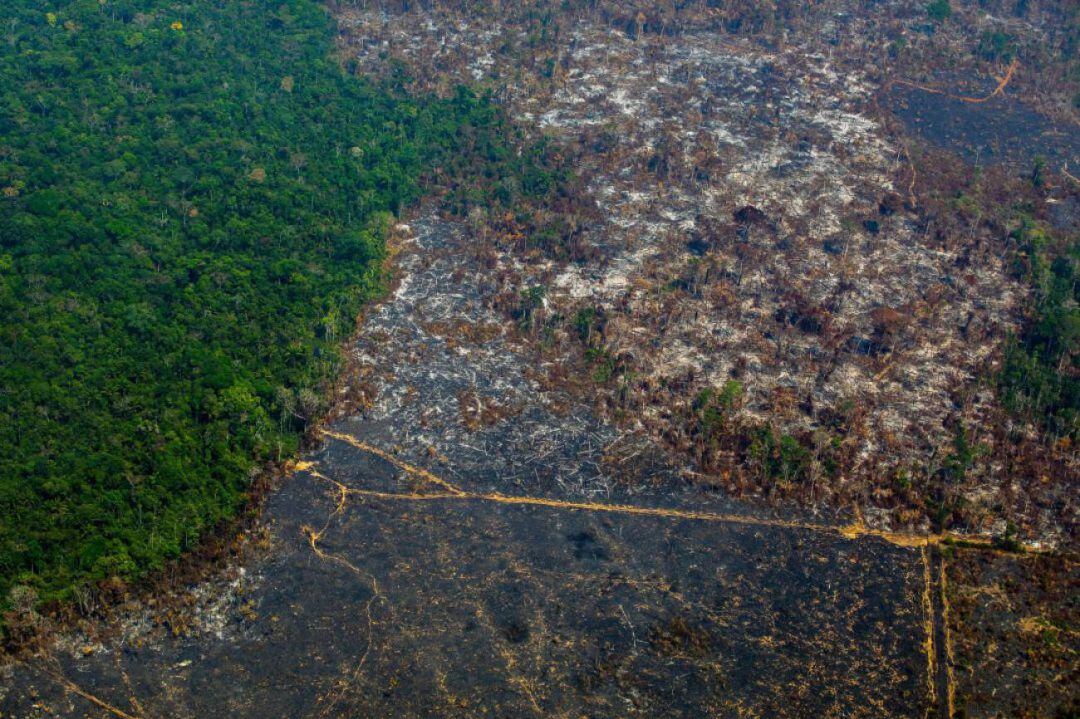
750,214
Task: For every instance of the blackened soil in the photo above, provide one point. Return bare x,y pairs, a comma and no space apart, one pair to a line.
1001,130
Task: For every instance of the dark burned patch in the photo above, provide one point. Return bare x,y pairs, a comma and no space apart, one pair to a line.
750,215
1014,636
809,320
507,606
482,603
587,546
890,204
698,246
515,631
834,246
679,637
1001,130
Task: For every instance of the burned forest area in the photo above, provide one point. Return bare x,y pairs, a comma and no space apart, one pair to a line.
762,399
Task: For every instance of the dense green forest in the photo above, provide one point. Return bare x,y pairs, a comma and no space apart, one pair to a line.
1040,377
193,196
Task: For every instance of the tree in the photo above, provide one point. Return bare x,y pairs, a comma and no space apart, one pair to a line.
939,10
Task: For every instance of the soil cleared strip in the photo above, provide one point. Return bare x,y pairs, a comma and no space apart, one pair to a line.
382,454
79,691
1002,82
928,619
950,679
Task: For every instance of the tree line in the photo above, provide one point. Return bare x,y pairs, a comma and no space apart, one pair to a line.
193,202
